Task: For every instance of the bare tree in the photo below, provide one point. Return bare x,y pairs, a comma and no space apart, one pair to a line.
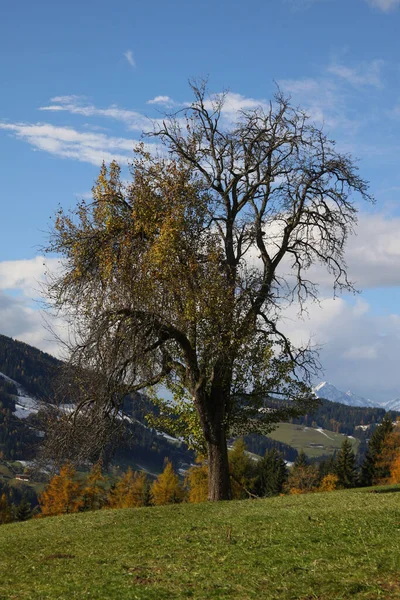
181,276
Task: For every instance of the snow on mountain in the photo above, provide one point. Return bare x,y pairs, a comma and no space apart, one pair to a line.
24,405
391,404
330,392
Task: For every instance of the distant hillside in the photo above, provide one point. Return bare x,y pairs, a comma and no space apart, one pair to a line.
33,374
33,369
342,418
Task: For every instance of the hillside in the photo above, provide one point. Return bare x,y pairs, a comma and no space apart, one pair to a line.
315,442
30,377
321,546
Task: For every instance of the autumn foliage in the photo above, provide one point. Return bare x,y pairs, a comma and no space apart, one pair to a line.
130,491
197,482
63,494
167,489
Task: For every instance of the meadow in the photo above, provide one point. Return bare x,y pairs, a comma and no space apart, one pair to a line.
321,546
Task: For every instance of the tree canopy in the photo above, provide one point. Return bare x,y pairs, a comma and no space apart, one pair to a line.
180,276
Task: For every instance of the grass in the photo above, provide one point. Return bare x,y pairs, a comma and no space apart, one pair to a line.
313,442
319,546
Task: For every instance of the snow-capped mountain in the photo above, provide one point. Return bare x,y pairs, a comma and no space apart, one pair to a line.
330,392
25,405
391,404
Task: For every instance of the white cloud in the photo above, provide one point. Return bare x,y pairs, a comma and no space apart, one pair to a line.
129,57
26,275
372,255
363,75
78,106
162,100
384,5
21,302
66,142
359,350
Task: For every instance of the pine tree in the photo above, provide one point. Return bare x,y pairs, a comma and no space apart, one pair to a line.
166,489
301,460
327,467
346,466
370,473
272,474
63,494
132,490
241,469
23,511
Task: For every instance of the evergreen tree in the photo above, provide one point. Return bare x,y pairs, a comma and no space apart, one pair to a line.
23,511
370,472
167,489
241,469
327,467
301,460
346,465
272,474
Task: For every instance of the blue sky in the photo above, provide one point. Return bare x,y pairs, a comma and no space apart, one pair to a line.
80,81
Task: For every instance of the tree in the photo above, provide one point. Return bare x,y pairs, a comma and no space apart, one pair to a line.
301,460
241,469
329,483
386,466
303,477
272,474
181,276
197,481
63,493
5,510
371,472
132,490
23,511
346,465
93,492
166,489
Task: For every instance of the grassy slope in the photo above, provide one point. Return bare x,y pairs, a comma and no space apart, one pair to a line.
325,546
302,438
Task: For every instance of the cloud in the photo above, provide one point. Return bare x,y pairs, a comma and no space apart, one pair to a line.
21,316
372,254
77,105
66,142
129,57
162,100
359,350
384,5
26,275
367,74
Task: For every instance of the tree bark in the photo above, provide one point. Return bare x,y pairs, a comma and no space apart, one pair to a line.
219,484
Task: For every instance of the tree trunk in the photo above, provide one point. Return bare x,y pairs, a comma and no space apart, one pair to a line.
219,484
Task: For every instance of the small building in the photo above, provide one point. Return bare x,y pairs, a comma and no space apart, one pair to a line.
22,477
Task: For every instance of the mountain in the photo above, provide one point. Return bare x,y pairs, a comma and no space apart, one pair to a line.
327,391
392,404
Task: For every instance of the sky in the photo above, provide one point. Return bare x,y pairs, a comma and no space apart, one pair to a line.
81,81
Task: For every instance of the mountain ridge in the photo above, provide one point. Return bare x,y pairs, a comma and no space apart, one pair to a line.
327,391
